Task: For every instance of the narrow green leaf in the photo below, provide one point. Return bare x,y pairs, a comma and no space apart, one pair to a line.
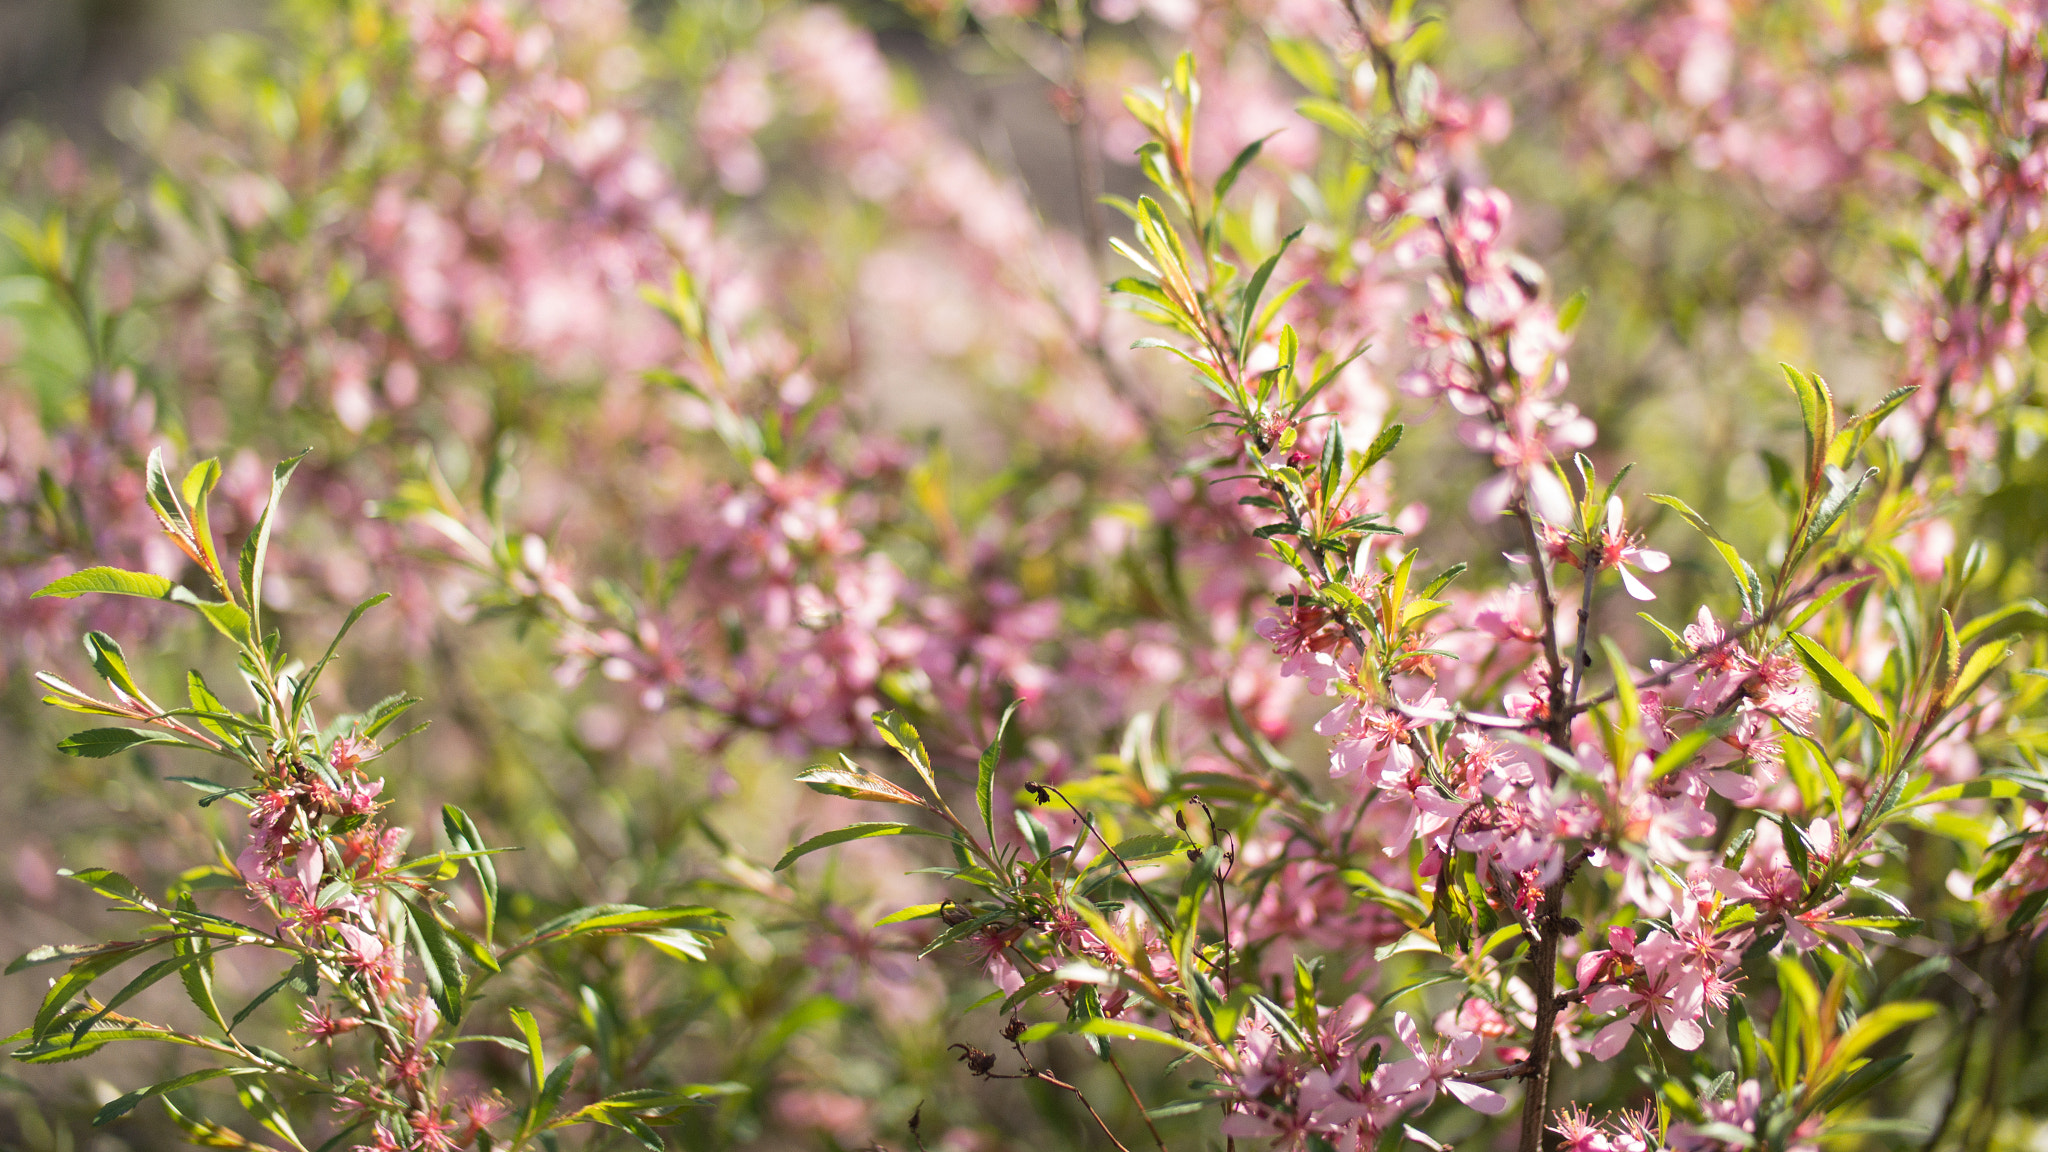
620,919
1729,556
111,663
80,976
120,1106
162,498
854,782
556,1086
852,832
1992,788
257,546
227,619
1099,1026
445,980
1248,304
205,702
914,912
114,581
1383,444
901,735
1244,157
530,1028
304,694
148,978
985,776
1982,663
100,743
302,976
1821,602
1838,682
199,483
464,836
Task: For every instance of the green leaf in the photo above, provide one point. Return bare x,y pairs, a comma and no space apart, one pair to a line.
1099,1026
1248,305
445,980
1725,550
854,782
1983,662
621,919
100,743
914,912
304,694
1817,414
1677,642
1382,444
1853,434
204,701
985,776
1838,682
1857,1083
111,663
211,1134
260,1103
1148,846
77,978
257,546
852,832
383,712
1839,500
114,581
1821,602
2027,615
198,978
1306,61
1244,158
1870,1028
555,1087
1323,381
642,1100
1684,749
58,1048
147,979
1993,788
120,1106
901,735
463,835
227,619
1331,115
304,977
52,953
163,500
198,486
530,1028
1574,308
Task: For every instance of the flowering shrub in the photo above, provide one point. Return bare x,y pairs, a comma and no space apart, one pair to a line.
1385,760
338,899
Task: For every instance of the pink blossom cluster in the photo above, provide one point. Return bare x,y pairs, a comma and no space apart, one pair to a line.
1288,1095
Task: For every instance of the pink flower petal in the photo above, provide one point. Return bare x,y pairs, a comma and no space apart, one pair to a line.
1476,1098
1612,1038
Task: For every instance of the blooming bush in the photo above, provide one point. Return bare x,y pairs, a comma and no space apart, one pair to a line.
1300,718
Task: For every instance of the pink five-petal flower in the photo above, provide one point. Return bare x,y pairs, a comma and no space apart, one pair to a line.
1620,551
1668,990
1415,1082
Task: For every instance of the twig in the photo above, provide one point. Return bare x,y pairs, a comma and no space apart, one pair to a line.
1137,1101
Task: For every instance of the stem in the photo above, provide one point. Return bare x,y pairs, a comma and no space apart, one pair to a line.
1138,1102
1580,659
